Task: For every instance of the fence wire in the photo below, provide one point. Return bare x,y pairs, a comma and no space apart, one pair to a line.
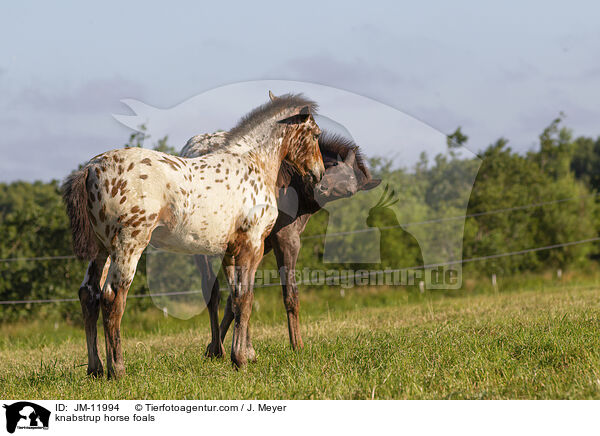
369,273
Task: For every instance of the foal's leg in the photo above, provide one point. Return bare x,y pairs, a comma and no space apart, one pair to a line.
227,318
226,322
210,290
250,353
89,297
286,246
114,295
241,278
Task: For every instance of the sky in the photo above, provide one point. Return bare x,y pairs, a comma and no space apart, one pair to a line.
498,70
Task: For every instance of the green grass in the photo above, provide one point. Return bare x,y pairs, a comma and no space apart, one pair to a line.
373,343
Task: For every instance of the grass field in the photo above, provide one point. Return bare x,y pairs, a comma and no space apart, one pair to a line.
372,343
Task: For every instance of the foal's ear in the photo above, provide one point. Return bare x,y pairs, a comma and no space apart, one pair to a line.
295,119
350,158
370,184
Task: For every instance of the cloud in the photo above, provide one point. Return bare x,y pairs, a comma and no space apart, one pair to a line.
358,74
591,73
50,156
94,96
47,133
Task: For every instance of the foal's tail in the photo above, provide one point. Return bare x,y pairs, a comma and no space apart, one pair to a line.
75,196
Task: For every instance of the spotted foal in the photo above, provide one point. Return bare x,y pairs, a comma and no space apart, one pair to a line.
223,203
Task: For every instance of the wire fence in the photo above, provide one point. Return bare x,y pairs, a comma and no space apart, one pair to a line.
40,258
335,234
356,275
454,218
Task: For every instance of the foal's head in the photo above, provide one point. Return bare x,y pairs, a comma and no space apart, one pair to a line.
345,170
300,143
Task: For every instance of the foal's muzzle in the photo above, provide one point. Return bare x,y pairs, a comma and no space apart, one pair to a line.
316,174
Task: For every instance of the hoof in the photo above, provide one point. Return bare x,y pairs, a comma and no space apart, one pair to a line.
239,360
215,350
251,354
96,370
116,372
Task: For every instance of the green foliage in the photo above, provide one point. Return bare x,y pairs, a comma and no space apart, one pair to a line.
456,139
509,180
586,162
33,223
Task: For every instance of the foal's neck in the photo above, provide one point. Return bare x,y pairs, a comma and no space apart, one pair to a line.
265,148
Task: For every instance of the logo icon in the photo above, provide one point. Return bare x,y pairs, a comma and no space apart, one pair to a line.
26,415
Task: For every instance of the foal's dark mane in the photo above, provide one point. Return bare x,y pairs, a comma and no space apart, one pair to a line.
268,110
334,144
